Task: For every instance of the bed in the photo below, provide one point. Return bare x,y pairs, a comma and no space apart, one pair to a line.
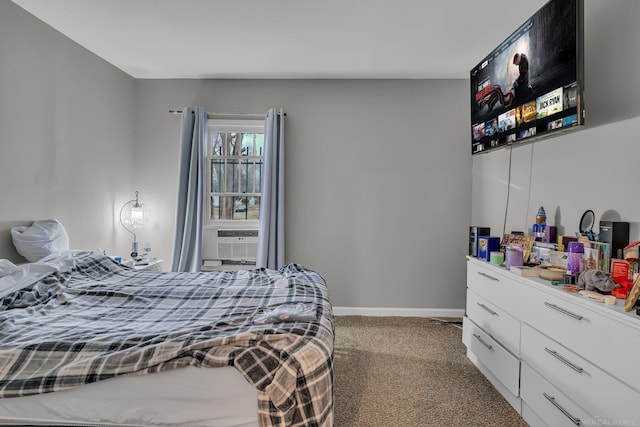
87,341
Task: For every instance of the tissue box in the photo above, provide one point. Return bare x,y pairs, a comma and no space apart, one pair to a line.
486,245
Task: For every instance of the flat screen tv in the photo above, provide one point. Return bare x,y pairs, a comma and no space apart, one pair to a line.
531,85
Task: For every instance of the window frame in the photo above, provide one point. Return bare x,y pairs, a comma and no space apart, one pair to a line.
227,125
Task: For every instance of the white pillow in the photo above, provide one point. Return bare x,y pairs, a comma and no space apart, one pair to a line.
41,239
7,267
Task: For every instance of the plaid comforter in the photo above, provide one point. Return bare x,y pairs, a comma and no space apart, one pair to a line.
101,320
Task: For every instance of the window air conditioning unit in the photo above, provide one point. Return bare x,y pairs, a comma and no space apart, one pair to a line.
237,246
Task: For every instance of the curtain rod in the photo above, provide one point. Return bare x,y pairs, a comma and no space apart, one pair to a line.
225,114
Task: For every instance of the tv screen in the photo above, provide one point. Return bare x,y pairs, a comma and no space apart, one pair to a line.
531,85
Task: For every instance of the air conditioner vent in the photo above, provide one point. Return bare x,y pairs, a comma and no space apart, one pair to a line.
237,233
238,245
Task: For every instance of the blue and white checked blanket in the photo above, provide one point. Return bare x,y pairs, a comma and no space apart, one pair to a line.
101,320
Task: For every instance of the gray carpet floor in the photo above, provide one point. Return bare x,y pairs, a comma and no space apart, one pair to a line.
406,371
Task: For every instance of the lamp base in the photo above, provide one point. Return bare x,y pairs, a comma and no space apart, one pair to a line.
134,249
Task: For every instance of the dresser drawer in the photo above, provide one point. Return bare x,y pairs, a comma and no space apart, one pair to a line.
586,329
502,364
495,284
494,321
550,405
576,377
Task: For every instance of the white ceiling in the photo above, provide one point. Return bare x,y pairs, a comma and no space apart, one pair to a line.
287,38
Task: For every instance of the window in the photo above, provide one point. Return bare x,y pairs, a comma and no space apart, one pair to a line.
234,159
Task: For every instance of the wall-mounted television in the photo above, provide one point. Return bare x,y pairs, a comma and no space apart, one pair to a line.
531,86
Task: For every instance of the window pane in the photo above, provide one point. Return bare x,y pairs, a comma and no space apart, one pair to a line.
252,144
217,176
247,144
250,177
215,207
254,208
216,144
258,176
234,144
246,207
222,207
245,186
259,144
232,177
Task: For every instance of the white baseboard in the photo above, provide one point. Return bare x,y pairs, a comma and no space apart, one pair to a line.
401,312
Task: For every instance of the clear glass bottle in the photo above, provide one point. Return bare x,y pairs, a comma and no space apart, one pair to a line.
147,250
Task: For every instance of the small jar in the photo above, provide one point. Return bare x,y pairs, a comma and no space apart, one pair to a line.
514,256
496,257
574,262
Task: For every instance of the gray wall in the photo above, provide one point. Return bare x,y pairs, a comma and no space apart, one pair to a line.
595,168
378,178
66,132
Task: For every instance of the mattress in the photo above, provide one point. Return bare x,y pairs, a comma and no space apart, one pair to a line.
187,396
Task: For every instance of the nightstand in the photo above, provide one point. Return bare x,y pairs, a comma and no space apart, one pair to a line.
152,264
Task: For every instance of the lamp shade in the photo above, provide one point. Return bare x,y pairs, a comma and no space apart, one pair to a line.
134,214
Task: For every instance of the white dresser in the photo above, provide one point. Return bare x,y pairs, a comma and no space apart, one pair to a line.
558,358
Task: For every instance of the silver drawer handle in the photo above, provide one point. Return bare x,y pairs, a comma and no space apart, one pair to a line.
563,311
493,313
563,360
488,276
552,399
479,338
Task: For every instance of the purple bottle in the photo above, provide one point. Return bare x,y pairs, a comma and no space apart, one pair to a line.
574,262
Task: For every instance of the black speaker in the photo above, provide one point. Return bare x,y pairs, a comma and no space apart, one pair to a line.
615,233
474,233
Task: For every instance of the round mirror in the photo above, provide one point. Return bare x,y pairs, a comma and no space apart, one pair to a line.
586,222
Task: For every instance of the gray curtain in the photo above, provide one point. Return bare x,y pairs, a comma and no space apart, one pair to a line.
271,231
190,211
